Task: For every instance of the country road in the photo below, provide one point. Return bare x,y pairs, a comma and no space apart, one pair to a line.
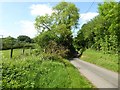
100,77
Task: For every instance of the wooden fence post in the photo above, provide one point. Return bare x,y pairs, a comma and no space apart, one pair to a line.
11,53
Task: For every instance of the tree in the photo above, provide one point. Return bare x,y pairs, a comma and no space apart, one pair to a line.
8,42
80,43
24,41
102,32
109,11
61,22
44,38
24,38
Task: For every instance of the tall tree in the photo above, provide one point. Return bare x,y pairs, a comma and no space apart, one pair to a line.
61,22
109,11
102,32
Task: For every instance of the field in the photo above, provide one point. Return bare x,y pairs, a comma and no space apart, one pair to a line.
108,61
17,53
31,71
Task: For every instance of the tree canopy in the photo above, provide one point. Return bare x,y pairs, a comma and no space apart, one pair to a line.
19,42
102,32
24,38
58,26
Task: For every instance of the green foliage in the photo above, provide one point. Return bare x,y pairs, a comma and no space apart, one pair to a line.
102,32
80,43
8,42
47,42
40,72
23,38
20,42
66,13
108,61
43,39
55,57
57,27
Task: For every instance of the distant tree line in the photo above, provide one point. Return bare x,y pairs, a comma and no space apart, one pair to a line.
14,43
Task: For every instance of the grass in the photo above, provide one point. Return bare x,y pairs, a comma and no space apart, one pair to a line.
34,72
17,53
108,61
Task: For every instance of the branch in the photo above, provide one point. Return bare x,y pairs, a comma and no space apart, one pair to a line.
46,26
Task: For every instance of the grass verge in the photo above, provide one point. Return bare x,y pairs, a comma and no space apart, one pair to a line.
34,72
108,61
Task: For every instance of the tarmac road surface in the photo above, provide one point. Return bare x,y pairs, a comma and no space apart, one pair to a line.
100,77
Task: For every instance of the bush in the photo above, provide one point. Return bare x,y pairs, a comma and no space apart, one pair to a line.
34,72
55,57
53,49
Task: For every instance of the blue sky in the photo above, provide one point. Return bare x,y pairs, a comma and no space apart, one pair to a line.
17,18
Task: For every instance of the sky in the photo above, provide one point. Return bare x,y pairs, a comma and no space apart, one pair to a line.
17,18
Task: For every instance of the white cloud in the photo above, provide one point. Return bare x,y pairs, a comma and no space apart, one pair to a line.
88,16
41,9
85,17
27,28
